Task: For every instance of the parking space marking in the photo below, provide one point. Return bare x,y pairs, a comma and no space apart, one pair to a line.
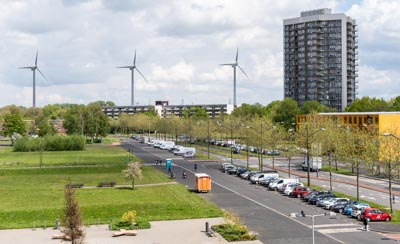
342,230
274,210
332,225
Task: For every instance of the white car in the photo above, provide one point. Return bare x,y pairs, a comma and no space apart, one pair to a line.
338,200
290,187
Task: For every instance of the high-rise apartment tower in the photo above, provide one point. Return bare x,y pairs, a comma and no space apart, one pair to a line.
320,58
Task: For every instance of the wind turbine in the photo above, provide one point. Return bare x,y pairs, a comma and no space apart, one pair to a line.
34,68
132,68
234,65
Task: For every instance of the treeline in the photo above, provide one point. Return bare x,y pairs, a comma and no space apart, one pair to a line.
50,143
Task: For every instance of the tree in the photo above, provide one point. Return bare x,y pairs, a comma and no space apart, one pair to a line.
44,126
395,104
13,123
389,157
367,104
286,112
72,216
132,172
309,107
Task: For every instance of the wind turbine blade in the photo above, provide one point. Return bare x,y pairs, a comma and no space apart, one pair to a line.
28,67
227,64
237,54
125,67
134,59
141,74
42,74
36,57
243,72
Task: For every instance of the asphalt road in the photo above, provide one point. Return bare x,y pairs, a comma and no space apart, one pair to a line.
262,211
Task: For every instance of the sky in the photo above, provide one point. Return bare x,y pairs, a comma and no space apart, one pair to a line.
179,46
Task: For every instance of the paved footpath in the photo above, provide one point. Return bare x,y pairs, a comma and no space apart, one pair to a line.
161,232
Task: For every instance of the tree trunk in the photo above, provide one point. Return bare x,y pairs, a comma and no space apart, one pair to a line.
358,182
330,172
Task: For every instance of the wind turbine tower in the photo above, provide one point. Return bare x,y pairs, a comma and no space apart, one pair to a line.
234,65
34,68
132,68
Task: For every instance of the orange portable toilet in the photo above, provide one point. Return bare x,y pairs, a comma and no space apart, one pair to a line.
202,182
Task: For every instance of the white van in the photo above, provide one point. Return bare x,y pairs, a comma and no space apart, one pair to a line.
181,151
275,185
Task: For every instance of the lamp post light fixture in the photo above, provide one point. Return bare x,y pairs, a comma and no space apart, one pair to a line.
312,216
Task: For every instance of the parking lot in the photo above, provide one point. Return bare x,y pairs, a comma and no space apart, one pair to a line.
268,212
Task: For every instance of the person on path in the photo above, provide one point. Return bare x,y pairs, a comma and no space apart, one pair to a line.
195,167
156,161
365,222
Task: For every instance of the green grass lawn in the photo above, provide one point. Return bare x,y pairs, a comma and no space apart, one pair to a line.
92,155
33,197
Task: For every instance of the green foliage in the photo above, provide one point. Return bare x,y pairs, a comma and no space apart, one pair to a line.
129,217
50,143
309,107
233,232
13,123
139,224
367,104
248,111
286,112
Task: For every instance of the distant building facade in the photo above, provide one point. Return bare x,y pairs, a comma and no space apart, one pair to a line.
163,109
320,58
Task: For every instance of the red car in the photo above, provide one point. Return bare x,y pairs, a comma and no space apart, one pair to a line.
299,190
372,214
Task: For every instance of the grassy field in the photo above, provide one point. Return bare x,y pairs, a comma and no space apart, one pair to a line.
92,155
33,197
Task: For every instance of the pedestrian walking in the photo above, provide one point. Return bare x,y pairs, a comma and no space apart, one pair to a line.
160,161
156,161
195,167
365,222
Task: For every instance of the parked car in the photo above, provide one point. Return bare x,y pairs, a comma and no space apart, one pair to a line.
356,211
320,197
272,152
290,187
232,170
267,181
299,190
224,166
240,171
324,201
374,214
329,205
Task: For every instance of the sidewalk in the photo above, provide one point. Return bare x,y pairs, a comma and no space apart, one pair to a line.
161,232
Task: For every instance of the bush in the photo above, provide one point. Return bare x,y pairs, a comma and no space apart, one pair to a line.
139,224
234,232
50,143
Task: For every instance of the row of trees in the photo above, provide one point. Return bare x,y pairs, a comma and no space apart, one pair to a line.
361,149
89,120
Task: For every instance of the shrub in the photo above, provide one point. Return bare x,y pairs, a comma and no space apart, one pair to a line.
50,143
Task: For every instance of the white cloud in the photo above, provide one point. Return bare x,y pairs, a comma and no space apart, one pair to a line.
179,45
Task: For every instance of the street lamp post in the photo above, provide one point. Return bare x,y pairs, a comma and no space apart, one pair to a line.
312,216
261,147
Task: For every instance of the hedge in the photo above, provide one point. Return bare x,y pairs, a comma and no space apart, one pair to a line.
50,143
